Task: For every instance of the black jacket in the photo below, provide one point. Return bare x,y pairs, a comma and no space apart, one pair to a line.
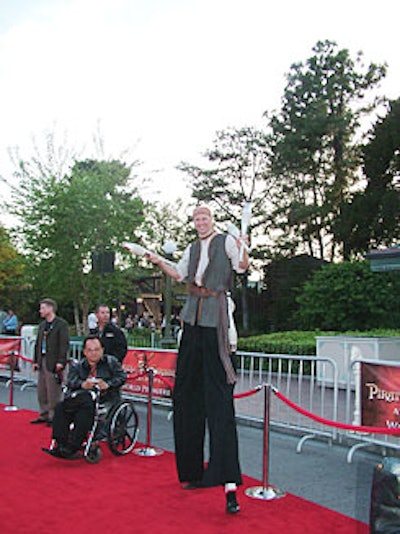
113,341
57,344
108,368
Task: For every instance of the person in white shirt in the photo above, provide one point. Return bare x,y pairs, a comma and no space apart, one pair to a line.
92,322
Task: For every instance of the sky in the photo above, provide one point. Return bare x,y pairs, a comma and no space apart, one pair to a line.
158,78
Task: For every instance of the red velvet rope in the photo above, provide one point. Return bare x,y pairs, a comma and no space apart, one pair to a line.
23,358
135,377
247,393
344,426
4,358
166,382
171,387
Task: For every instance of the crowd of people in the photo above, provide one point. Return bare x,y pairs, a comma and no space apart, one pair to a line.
144,320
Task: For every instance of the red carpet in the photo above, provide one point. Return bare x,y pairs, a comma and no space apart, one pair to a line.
131,494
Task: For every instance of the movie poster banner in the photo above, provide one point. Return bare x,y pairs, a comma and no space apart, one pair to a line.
8,347
163,363
380,395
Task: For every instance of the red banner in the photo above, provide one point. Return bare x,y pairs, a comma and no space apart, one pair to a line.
380,395
8,346
163,363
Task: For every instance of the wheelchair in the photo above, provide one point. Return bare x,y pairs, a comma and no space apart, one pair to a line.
117,424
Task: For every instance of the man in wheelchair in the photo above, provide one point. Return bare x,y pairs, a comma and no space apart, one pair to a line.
96,372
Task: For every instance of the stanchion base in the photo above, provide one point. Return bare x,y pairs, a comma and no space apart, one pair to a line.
11,408
148,451
266,494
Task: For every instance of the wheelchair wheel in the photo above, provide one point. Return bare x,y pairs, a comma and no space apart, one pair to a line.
123,428
94,455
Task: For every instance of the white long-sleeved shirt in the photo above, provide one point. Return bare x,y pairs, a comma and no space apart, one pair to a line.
231,249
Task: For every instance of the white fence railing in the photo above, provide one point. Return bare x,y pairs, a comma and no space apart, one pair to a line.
296,378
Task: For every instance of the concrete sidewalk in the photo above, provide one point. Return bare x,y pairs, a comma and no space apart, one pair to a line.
320,473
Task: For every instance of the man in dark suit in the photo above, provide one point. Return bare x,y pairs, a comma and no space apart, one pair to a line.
112,338
50,358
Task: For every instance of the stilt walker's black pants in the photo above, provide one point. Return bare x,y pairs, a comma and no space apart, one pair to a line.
202,394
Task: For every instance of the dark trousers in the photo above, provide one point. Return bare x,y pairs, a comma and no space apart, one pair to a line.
202,394
78,410
48,392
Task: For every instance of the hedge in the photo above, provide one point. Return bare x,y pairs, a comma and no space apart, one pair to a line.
299,342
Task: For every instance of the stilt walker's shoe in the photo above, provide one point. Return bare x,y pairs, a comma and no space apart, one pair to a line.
232,506
195,484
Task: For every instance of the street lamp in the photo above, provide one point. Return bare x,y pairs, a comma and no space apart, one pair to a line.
169,248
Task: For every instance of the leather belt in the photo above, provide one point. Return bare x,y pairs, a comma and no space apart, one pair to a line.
200,291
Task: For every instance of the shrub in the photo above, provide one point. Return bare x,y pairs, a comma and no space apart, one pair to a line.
349,296
300,342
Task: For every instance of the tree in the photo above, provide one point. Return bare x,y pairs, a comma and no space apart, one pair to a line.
166,222
65,219
284,278
12,273
349,296
314,152
371,218
237,172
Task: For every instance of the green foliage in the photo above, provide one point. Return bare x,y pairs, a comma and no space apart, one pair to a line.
381,153
235,172
291,342
65,218
348,296
12,273
371,217
301,343
314,153
165,222
284,278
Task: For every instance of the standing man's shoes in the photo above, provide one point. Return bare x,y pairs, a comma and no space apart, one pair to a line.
232,506
38,421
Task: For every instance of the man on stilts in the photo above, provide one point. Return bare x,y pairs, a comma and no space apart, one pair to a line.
205,374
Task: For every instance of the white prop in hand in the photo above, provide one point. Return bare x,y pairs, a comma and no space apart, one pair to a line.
245,223
138,250
246,217
134,248
235,232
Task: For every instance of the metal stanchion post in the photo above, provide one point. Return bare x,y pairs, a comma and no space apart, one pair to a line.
148,450
265,492
11,407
